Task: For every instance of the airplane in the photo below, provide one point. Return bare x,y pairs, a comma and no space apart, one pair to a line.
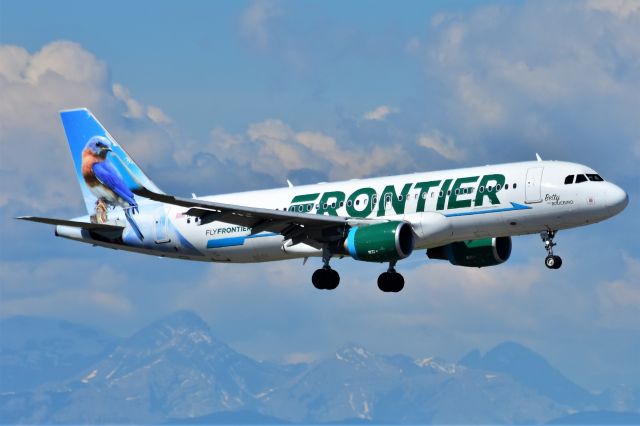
466,216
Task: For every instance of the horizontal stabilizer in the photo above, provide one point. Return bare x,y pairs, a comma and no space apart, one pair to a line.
73,223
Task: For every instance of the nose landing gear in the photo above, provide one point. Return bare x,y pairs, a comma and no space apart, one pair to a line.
551,261
391,281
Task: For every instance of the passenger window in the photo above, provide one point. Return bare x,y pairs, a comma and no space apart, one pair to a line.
482,189
424,195
515,185
357,202
581,178
568,180
506,186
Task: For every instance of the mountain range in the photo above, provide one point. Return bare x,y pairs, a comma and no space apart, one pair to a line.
176,371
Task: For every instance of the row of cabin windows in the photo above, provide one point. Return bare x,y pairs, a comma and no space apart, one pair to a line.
582,178
308,207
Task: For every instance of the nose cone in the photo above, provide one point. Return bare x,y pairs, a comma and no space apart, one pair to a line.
616,198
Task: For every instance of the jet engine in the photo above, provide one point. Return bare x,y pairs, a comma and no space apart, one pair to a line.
382,242
475,253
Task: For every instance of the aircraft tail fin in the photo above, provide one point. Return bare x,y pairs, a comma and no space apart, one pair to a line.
108,176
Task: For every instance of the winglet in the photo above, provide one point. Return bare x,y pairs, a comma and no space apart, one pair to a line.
289,183
538,157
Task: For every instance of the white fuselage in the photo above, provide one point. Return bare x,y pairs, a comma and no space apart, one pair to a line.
442,207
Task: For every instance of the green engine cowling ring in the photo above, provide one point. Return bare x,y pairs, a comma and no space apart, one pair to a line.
382,242
474,253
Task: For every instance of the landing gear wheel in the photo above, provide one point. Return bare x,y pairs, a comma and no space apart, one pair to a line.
318,279
325,279
333,279
553,262
390,282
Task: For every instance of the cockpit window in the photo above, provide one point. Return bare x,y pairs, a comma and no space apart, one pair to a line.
568,180
595,178
581,178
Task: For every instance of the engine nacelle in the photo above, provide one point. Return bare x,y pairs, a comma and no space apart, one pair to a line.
475,253
382,242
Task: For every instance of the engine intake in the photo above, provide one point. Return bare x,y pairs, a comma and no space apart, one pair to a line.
474,253
382,242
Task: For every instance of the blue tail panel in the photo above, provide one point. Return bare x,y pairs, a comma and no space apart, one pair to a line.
107,174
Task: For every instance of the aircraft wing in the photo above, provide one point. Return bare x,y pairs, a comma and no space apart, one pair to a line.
311,229
97,229
73,223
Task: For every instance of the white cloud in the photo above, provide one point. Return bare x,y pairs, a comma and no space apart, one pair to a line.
134,109
620,8
278,150
34,88
479,106
443,145
156,115
619,300
14,61
65,59
576,81
380,113
255,22
63,287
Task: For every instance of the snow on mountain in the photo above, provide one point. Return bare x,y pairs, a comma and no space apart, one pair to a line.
176,370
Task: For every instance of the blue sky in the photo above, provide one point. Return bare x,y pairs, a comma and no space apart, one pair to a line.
214,97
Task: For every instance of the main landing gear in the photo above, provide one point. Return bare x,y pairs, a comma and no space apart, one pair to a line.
325,278
391,281
551,261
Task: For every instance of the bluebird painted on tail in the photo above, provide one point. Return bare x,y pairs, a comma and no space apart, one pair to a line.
105,182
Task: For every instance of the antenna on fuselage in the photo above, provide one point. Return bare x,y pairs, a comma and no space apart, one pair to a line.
538,157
